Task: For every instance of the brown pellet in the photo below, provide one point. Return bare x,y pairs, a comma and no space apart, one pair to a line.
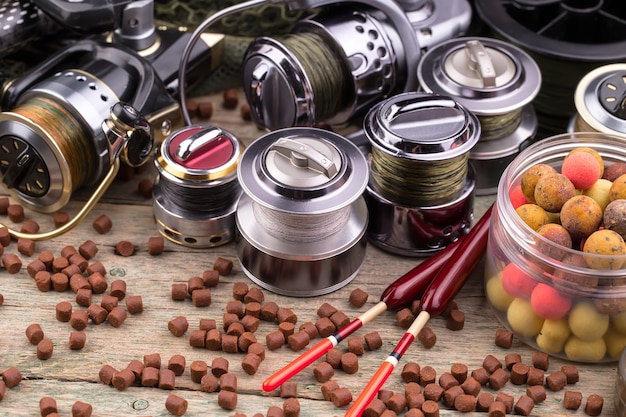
227,400
333,357
209,383
327,388
340,397
340,319
556,381
326,310
106,374
433,392
176,405
108,302
465,403
594,404
11,377
410,372
178,326
77,340
349,363
254,295
455,320
230,343
245,341
117,316
540,360
537,393
250,363
134,304
491,363
60,218
571,372
459,371
156,245
373,340
12,263
274,340
447,380
524,405
197,338
211,278
385,394
81,409
152,360
483,401
145,187
397,403
205,109
269,311
29,227
325,327
45,349
179,292
125,248
78,282
481,375
504,338
285,314
5,236
219,366
59,281
35,266
78,260
198,369
4,205
118,289
71,270
207,324
245,113
78,319
427,337
228,382
288,389
223,266
235,329
257,349
511,359
358,297
404,317
519,373
471,386
240,289
535,376
201,298
323,372
102,224
15,213
572,400
26,246
88,249
375,408
291,407
195,283
230,98
430,408
414,412
123,379
98,283
497,409
167,379
47,405
298,341
213,339
498,379
34,333
83,297
507,400
428,375
150,377
356,345
43,281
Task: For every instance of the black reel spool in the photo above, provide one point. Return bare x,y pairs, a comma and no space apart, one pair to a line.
63,127
567,39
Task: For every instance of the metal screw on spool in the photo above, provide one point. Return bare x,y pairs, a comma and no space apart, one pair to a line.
301,220
420,193
600,100
497,82
196,192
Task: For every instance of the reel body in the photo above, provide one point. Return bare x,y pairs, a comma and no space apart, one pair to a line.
51,127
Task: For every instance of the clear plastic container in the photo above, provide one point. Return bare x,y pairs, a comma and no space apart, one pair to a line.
578,313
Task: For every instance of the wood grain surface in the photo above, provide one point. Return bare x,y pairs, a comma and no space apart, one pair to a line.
70,376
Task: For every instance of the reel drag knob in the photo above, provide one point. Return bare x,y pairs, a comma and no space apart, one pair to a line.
22,167
129,135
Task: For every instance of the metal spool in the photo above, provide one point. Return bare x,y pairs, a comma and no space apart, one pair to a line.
497,82
566,38
302,219
196,192
600,101
420,193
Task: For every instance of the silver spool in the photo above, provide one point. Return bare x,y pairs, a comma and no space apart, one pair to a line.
302,219
497,82
196,192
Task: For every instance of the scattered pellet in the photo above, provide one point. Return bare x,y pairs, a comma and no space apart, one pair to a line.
497,409
571,372
447,380
414,412
176,405
323,372
358,297
60,282
230,343
197,338
81,409
5,236
481,375
427,337
404,317
78,319
245,340
34,333
209,383
117,316
106,374
524,405
82,263
70,270
4,205
288,389
201,298
594,404
207,324
15,213
167,379
298,341
194,283
176,364
459,371
98,283
274,411
219,366
373,340
455,320
83,297
519,373
326,310
340,397
134,304
349,363
250,363
356,345
47,405
572,400
428,375
118,289
375,408
433,392
179,292
29,227
230,98
156,245
410,372
223,266
430,408
285,314
535,376
125,248
245,113
137,367
340,319
88,249
78,281
26,246
77,340
397,403
205,109
385,394
45,349
484,401
498,379
227,400
465,403
123,379
269,311
43,281
254,295
327,388
228,382
250,323
150,377
213,339
145,187
109,302
35,266
471,386
491,363
537,393
540,360
198,369
504,338
60,218
12,263
102,224
325,327
507,400
556,381
333,357
257,349
511,359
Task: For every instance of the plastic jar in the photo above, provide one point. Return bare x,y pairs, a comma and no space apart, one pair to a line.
546,294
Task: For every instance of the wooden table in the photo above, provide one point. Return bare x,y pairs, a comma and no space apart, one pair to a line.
70,376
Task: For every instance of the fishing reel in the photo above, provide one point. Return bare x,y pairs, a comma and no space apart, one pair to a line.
67,123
